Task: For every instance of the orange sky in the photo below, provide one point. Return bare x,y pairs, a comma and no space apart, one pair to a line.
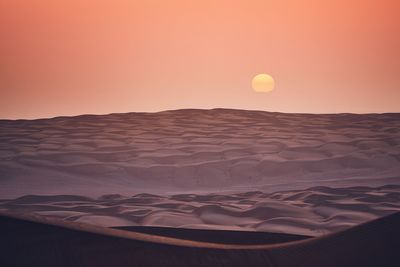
76,56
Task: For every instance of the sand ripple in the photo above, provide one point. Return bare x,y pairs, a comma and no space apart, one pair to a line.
197,150
315,211
215,168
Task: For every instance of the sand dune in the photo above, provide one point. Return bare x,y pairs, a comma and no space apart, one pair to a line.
39,241
198,151
313,212
214,169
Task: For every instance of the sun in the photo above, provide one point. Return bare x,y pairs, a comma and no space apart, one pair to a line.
263,83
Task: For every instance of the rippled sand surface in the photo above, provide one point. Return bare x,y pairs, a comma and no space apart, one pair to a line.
312,212
220,168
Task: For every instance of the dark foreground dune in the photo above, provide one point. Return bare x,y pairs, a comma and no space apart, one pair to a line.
213,236
37,241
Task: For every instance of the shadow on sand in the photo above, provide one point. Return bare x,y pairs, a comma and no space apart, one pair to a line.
39,241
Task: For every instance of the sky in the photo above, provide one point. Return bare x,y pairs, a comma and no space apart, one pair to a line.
71,57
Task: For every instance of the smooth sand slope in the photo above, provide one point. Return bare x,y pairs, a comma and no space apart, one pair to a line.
36,241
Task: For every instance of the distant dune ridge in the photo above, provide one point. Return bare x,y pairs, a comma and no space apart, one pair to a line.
216,169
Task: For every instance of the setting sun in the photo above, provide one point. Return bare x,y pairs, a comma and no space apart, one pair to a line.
263,83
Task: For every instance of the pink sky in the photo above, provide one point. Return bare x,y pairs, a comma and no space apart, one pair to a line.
78,57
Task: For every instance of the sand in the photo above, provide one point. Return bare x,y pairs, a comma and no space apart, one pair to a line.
215,169
40,241
312,212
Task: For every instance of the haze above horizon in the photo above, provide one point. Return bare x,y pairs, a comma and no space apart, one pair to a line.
66,58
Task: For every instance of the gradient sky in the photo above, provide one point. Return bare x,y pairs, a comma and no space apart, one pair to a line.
72,57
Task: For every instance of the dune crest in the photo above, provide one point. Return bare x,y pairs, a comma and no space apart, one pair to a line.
38,241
